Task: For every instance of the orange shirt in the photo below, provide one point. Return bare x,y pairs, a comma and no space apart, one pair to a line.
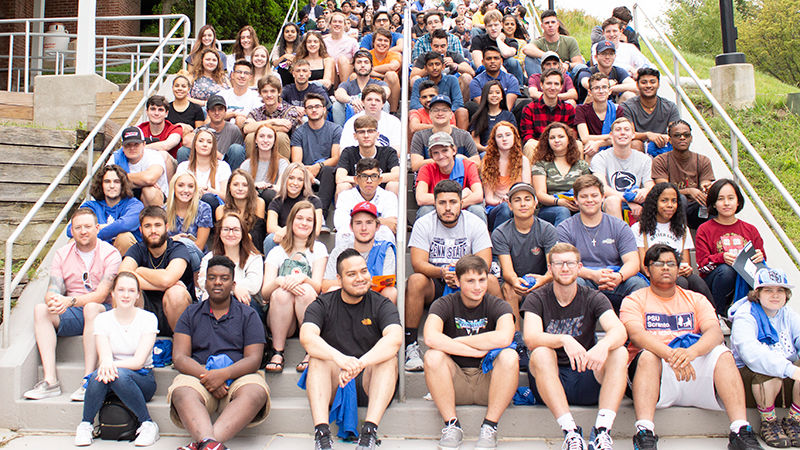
390,56
666,318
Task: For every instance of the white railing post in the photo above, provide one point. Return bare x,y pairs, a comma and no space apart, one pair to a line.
105,55
676,82
27,53
734,156
10,60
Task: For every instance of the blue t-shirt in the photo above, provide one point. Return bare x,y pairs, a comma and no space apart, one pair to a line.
203,219
228,335
366,41
504,115
316,144
509,82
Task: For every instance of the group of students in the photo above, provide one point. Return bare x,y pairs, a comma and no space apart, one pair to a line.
208,217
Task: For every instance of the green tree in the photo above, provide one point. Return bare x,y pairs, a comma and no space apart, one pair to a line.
771,39
695,26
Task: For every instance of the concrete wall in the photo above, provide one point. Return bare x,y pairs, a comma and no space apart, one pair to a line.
75,96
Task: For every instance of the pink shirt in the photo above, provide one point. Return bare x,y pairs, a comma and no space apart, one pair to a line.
69,267
346,46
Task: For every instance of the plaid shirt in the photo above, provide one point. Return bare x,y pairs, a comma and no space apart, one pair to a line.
423,46
284,111
536,116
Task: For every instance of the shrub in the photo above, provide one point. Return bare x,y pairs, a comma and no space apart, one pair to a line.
770,39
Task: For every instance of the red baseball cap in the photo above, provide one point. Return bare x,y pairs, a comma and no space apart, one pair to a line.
366,207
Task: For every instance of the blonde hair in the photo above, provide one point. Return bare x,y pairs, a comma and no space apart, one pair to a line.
172,206
212,175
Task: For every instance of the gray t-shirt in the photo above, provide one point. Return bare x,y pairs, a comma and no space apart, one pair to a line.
528,251
465,145
600,246
316,144
229,135
389,267
447,245
665,113
622,174
263,169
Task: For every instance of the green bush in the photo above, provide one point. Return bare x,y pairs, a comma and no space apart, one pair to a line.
771,39
695,26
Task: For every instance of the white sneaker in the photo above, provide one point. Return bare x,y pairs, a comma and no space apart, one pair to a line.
413,358
78,395
43,389
83,435
147,434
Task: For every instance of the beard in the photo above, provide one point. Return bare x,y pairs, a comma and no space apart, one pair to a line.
155,243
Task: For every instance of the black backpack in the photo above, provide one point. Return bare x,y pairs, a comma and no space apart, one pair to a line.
117,422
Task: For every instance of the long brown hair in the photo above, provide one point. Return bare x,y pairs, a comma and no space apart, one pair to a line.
490,166
249,203
238,50
302,51
246,247
198,42
218,75
212,175
288,239
253,151
97,183
545,153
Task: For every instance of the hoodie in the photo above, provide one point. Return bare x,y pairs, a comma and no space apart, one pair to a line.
771,360
120,218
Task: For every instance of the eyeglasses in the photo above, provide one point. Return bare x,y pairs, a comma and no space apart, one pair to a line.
569,264
366,131
241,72
87,283
662,264
369,176
681,135
232,230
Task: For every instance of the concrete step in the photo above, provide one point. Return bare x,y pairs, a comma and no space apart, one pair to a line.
38,173
43,137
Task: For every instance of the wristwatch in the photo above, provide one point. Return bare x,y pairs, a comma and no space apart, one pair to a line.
74,300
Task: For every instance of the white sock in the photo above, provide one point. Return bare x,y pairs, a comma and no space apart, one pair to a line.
644,425
567,423
605,419
736,424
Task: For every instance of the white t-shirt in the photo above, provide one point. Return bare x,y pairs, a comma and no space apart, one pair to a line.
388,131
150,157
622,174
87,257
124,339
663,235
384,201
241,104
447,245
220,178
277,255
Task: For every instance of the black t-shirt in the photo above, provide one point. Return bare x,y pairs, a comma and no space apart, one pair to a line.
284,206
482,41
462,321
578,319
352,329
193,113
175,250
386,156
295,97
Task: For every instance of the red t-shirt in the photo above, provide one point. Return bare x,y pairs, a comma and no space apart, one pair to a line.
431,174
425,117
714,239
168,129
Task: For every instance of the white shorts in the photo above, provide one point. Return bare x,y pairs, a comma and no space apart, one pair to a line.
700,392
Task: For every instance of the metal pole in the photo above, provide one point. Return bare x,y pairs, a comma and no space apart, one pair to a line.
676,82
160,38
27,53
10,60
734,155
105,55
199,16
551,4
729,34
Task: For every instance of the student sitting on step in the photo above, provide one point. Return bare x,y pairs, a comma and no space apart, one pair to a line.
124,337
80,280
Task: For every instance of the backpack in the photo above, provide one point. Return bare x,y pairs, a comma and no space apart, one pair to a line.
117,422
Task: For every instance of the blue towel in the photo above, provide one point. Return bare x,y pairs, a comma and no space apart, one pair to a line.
684,340
524,396
611,116
121,160
457,174
344,411
487,364
766,332
741,287
162,353
654,151
630,194
219,361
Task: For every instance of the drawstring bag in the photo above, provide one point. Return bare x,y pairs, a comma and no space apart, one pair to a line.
293,266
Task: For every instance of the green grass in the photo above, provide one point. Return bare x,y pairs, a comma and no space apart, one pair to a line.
771,128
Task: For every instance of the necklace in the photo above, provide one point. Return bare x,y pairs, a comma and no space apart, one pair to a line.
153,263
594,237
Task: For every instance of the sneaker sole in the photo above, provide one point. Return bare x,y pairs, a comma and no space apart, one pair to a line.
448,448
43,396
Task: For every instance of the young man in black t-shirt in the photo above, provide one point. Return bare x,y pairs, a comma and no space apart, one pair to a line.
162,267
569,366
365,129
352,333
461,329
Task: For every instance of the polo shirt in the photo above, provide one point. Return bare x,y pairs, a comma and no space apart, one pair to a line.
509,82
229,334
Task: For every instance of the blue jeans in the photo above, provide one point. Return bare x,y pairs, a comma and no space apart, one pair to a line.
722,282
513,67
269,243
554,214
235,155
534,65
622,290
478,210
499,214
195,254
133,389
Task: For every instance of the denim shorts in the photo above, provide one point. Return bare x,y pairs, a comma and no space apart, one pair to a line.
71,321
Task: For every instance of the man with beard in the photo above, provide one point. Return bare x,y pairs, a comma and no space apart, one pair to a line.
460,330
349,92
367,189
649,113
606,244
351,334
80,281
116,209
438,240
698,371
493,62
163,269
569,365
216,329
625,173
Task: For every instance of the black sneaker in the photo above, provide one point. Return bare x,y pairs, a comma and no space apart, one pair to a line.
322,441
645,440
745,439
368,441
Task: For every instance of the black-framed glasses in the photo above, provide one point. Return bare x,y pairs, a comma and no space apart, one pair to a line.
369,176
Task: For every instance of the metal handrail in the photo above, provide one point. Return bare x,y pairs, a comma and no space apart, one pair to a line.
737,136
88,147
402,190
535,25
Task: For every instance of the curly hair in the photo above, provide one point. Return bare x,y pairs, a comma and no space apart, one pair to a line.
218,75
96,190
490,166
648,222
545,153
250,200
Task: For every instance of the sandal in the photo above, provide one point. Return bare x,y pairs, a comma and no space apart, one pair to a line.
302,366
277,367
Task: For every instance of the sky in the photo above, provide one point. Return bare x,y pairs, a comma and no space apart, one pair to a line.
602,8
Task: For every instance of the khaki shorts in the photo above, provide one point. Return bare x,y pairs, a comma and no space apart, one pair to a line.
470,384
750,378
214,404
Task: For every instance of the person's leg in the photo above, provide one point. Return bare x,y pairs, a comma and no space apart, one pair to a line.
134,390
625,289
425,209
152,196
212,200
245,403
722,281
419,292
193,413
301,302
544,367
235,156
282,144
554,214
513,299
322,379
439,372
479,211
529,149
269,243
695,283
123,242
503,385
613,206
45,325
532,65
379,384
345,68
393,81
463,83
281,317
183,154
90,312
96,392
267,195
338,113
327,184
729,387
176,300
499,214
462,118
613,379
515,68
646,385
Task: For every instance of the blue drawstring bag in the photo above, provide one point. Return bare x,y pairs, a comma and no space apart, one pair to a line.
524,396
162,353
220,361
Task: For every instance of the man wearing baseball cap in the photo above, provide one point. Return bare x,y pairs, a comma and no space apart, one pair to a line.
446,166
448,85
230,142
379,253
550,60
622,85
145,167
440,113
764,339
